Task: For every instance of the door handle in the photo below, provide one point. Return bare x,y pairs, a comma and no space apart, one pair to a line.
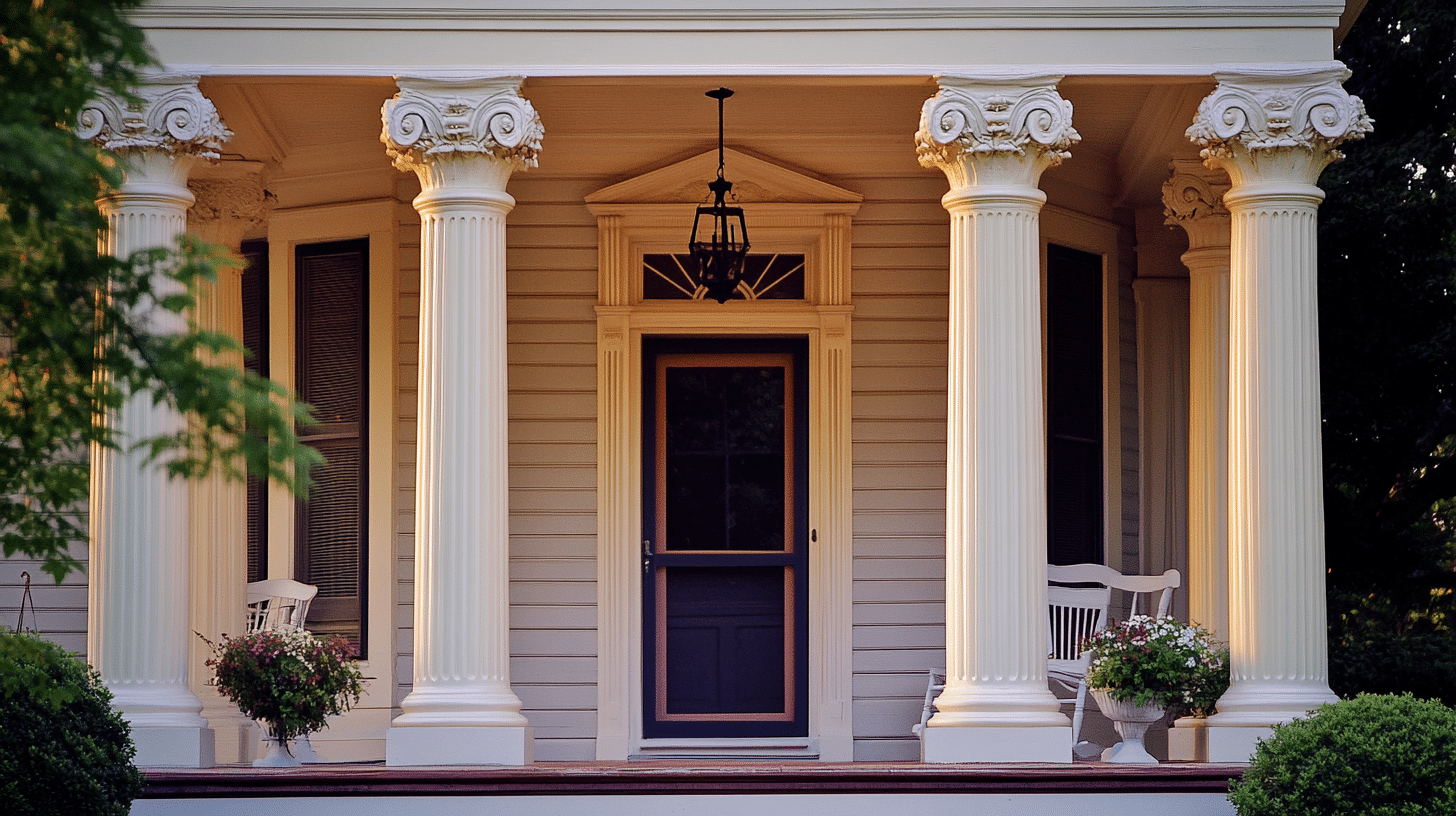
646,556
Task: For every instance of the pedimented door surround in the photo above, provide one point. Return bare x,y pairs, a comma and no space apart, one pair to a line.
791,213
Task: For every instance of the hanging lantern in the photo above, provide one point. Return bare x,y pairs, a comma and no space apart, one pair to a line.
718,255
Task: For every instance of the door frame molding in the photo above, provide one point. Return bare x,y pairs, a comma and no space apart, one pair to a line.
793,557
627,231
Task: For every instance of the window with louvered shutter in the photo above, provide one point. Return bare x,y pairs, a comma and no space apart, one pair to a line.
255,340
331,341
1074,407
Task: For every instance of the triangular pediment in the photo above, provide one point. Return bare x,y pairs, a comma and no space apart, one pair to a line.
755,181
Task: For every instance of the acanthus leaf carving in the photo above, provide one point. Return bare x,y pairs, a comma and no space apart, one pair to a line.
1264,112
1193,191
435,117
244,200
169,114
995,116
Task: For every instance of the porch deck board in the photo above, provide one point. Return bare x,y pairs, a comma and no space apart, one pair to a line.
686,776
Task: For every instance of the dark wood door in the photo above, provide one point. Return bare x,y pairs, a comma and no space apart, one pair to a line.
725,545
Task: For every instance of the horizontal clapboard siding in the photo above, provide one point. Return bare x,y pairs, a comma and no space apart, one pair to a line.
900,290
60,609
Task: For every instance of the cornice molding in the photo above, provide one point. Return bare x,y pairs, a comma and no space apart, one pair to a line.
432,118
1254,112
169,114
843,15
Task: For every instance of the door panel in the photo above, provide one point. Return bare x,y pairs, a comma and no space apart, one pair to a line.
725,558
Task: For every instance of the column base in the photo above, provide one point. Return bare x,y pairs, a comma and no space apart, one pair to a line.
990,743
1234,743
174,747
1188,740
234,741
459,745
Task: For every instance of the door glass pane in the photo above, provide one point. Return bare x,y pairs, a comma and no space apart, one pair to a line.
725,640
725,458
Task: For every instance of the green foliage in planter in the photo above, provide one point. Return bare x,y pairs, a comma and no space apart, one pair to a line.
63,749
292,681
1423,665
1159,660
1375,755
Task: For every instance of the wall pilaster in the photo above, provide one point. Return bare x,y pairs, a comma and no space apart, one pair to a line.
463,139
1193,200
230,202
1273,132
993,137
138,610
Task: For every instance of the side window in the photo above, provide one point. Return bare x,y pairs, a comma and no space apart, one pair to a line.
255,339
1074,407
331,346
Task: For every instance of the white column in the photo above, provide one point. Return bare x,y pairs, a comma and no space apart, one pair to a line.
1162,343
993,137
463,138
1273,132
138,630
230,202
1193,199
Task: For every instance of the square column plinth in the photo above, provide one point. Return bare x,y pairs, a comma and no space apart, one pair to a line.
459,745
1235,743
174,747
997,744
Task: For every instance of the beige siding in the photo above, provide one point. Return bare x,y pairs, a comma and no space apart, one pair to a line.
407,339
900,290
60,609
552,269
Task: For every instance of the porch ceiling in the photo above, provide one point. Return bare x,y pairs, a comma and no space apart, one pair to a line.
320,136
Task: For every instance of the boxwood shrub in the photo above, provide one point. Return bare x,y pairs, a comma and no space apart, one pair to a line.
63,748
1374,755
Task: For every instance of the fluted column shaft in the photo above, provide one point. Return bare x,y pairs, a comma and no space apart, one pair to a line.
1273,133
230,201
1193,199
463,140
138,609
993,138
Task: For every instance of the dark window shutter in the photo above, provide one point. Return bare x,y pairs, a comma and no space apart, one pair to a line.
332,343
255,340
1074,407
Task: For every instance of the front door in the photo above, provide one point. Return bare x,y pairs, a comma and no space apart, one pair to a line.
725,539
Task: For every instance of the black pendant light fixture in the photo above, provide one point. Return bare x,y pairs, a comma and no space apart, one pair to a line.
717,258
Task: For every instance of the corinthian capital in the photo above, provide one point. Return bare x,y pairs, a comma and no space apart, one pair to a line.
1193,200
169,114
1193,191
434,117
1267,111
981,117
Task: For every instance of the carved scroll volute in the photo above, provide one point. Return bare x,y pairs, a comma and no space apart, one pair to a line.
980,130
1193,199
170,114
434,118
1257,120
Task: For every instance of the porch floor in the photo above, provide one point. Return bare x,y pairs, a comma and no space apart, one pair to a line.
688,777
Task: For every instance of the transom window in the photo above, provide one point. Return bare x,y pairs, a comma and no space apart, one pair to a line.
766,276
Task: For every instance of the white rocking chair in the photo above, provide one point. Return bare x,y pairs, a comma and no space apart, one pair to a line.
1073,613
278,605
281,605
